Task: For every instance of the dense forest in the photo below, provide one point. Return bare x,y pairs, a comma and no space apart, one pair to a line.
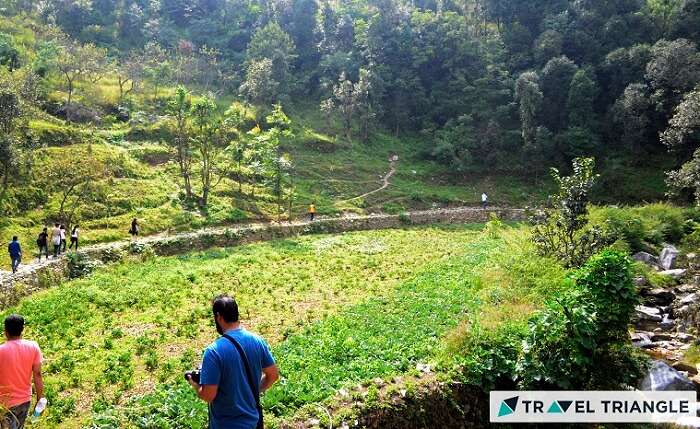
492,85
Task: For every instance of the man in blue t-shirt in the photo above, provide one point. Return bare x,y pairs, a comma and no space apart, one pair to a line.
15,251
224,381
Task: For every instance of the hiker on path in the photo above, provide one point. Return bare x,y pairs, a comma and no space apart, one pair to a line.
15,251
63,238
56,240
484,200
237,367
134,231
43,242
312,211
74,238
21,360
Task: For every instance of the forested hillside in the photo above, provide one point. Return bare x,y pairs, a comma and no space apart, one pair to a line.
474,94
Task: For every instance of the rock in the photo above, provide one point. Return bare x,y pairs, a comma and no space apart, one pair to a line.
686,288
690,299
648,313
661,337
640,281
658,296
662,377
667,323
668,257
691,255
676,274
685,367
686,338
647,258
640,339
657,330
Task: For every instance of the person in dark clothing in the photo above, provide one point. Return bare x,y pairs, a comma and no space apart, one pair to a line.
15,251
43,242
134,231
74,238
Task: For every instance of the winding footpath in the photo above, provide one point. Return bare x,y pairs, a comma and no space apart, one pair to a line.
385,181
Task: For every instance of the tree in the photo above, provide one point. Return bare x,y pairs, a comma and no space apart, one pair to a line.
78,180
156,66
555,81
665,11
76,61
562,231
580,103
529,96
129,73
260,86
9,54
673,70
179,108
352,101
683,132
210,138
631,112
272,43
238,146
281,164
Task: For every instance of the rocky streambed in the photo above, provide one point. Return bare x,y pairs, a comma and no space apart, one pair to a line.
667,321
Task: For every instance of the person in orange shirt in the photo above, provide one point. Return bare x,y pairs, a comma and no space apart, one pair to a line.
312,211
21,359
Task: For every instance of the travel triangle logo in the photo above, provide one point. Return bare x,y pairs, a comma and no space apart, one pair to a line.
508,406
559,407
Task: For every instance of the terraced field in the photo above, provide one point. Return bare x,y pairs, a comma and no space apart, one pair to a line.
338,310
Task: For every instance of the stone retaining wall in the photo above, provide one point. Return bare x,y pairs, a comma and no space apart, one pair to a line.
37,276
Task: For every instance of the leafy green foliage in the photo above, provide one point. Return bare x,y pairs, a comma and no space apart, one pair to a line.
80,265
580,340
562,231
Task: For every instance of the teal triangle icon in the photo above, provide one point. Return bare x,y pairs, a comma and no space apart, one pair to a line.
504,410
554,408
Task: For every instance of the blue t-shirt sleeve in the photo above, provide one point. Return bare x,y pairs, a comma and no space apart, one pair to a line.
267,359
211,370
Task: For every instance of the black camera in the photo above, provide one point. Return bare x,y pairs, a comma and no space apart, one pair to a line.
193,375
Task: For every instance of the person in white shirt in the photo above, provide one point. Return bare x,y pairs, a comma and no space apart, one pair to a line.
484,200
63,238
56,240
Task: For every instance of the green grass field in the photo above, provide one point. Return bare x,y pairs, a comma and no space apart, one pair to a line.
337,310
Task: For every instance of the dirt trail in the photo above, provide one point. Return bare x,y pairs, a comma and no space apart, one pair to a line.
385,180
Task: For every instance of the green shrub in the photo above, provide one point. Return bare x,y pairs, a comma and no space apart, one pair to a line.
580,340
111,254
81,265
645,227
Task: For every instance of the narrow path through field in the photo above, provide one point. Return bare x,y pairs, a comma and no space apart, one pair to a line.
31,265
385,180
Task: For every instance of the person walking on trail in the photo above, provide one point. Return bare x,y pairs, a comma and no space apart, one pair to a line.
236,369
15,251
134,231
63,238
56,240
484,200
312,211
74,238
42,241
21,360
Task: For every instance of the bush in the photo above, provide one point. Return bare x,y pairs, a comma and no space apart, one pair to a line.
111,254
81,265
644,228
580,340
562,231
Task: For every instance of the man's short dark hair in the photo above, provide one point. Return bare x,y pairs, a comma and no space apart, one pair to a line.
226,307
14,325
14,238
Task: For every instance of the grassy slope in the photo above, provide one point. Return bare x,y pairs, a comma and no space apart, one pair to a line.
154,314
